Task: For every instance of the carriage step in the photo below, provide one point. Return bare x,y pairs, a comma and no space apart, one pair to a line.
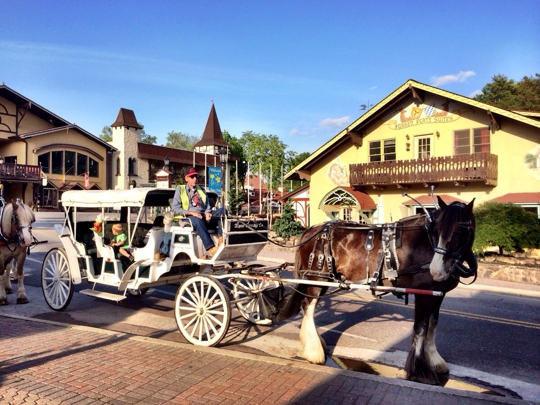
104,295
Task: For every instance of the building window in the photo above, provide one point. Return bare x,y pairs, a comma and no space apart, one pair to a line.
347,214
69,162
43,161
93,168
82,164
118,172
132,167
57,162
475,140
380,151
423,147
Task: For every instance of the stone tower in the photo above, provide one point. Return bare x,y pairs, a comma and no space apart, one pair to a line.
126,135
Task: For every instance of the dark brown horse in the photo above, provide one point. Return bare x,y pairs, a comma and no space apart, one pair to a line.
422,252
15,238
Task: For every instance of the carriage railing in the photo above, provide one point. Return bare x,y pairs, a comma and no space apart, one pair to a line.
477,167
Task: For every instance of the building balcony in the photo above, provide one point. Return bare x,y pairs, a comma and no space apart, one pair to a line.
459,170
14,172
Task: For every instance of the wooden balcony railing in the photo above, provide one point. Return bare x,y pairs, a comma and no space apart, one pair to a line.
20,173
479,167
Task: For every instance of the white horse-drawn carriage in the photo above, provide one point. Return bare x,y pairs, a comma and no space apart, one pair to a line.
423,255
202,304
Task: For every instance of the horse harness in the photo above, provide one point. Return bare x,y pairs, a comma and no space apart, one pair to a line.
388,266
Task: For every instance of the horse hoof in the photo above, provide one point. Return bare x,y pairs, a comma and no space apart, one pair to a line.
424,380
22,301
9,291
3,302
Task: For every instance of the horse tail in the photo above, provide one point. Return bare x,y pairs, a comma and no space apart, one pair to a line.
290,304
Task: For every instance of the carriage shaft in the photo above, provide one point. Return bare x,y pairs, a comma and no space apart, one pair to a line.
342,285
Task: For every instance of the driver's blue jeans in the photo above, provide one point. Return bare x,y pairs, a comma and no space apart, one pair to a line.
200,226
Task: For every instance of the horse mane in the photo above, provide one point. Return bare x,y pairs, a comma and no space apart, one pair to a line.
26,216
449,219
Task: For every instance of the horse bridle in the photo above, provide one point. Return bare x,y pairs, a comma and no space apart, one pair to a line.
459,255
16,225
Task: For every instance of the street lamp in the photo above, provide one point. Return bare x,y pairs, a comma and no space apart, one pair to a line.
223,155
166,161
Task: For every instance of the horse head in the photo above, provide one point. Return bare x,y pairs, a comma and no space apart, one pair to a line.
16,223
452,234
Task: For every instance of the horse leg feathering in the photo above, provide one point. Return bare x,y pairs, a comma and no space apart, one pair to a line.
311,342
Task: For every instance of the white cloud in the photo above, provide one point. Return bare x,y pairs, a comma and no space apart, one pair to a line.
475,93
334,122
460,77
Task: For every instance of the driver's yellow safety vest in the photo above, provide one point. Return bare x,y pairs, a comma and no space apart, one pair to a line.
184,197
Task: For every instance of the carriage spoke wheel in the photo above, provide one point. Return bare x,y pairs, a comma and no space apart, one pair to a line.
56,281
202,310
251,290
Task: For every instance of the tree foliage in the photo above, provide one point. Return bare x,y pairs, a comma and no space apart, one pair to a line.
236,199
181,141
265,153
237,151
508,226
106,133
287,225
511,95
147,138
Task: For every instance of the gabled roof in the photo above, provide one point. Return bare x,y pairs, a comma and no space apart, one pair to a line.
410,88
87,134
212,134
293,193
59,124
426,199
182,156
364,199
22,102
519,198
126,118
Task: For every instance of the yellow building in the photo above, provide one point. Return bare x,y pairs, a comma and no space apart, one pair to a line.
43,155
417,138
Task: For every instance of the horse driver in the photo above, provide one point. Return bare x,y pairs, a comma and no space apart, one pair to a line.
191,200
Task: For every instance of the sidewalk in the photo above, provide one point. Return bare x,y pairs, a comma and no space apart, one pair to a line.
50,363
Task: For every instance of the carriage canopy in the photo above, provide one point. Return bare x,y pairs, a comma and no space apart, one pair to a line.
136,197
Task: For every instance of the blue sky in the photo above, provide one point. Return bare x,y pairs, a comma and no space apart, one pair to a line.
296,69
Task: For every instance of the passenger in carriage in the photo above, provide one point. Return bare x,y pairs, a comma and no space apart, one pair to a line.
120,242
191,200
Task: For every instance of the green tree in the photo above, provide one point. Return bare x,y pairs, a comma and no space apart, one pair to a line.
528,93
147,138
506,93
236,199
292,160
236,151
266,152
507,226
106,133
500,92
287,225
181,141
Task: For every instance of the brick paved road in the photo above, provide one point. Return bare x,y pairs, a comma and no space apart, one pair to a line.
46,363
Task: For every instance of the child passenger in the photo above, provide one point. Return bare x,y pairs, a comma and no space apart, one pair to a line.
119,241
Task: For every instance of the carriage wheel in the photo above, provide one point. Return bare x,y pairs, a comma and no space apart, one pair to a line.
56,281
202,310
252,289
